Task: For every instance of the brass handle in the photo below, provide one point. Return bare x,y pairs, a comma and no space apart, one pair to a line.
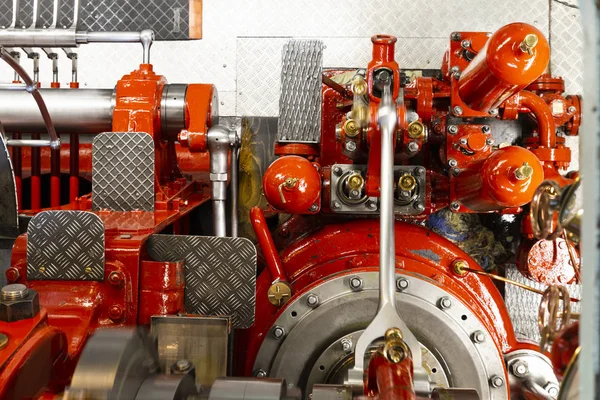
289,183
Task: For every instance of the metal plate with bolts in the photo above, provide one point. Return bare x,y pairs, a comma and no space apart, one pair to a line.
65,245
300,98
9,220
123,171
203,341
370,205
220,274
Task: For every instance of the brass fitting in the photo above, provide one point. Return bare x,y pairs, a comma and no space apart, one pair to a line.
289,183
530,41
393,334
407,182
359,86
524,172
459,266
395,349
356,182
351,128
416,129
279,293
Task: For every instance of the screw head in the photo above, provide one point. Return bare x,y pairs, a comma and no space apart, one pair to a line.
520,369
419,171
402,284
455,171
419,206
571,109
350,145
279,293
261,373
494,111
413,147
372,205
116,278
312,300
496,381
115,313
314,207
552,389
463,141
445,303
486,129
452,129
478,337
457,110
336,205
337,171
456,75
452,162
278,332
489,141
356,283
455,36
455,205
346,345
465,44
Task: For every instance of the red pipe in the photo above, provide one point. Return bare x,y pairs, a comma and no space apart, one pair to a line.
543,114
265,240
74,167
17,161
36,175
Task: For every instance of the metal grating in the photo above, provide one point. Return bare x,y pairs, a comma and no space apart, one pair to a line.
220,273
300,98
65,245
123,171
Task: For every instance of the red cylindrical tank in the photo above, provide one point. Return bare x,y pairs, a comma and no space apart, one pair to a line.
515,56
506,179
293,184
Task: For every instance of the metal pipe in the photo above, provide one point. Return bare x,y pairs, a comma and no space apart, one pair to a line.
55,9
36,37
72,111
36,169
267,245
16,7
543,114
17,160
29,142
218,139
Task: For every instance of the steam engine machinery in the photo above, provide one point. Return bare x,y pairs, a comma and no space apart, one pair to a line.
134,287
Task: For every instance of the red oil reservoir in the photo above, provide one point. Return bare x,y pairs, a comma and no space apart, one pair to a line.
515,56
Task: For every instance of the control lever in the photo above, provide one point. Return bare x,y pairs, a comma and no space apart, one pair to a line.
387,316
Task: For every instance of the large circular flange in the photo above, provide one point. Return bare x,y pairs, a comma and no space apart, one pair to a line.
172,109
454,335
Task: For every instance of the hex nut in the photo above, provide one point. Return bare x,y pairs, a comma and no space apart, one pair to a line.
17,310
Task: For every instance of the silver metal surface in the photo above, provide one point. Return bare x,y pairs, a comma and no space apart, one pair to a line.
9,220
248,389
331,392
72,111
300,98
219,144
387,316
113,365
167,387
15,291
220,273
203,341
342,311
235,156
65,245
531,375
123,171
370,205
172,109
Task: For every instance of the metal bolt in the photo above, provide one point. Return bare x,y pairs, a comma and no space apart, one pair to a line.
452,129
419,206
402,284
88,270
455,205
350,145
413,147
486,129
463,141
456,75
115,278
337,171
457,110
42,270
478,337
496,381
455,36
312,300
571,109
552,389
445,303
489,141
494,111
115,313
419,170
314,207
465,44
183,365
261,373
372,205
455,171
15,291
356,283
347,345
278,332
520,369
336,205
452,162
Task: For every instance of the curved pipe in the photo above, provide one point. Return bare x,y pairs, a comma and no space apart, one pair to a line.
543,114
265,240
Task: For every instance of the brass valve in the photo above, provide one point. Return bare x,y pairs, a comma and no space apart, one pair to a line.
524,172
529,43
416,129
395,349
351,128
407,182
289,183
356,182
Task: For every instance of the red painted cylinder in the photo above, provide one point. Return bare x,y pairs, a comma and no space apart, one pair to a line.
292,184
515,56
506,179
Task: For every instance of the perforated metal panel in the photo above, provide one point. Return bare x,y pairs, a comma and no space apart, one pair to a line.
300,98
65,245
123,171
220,273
